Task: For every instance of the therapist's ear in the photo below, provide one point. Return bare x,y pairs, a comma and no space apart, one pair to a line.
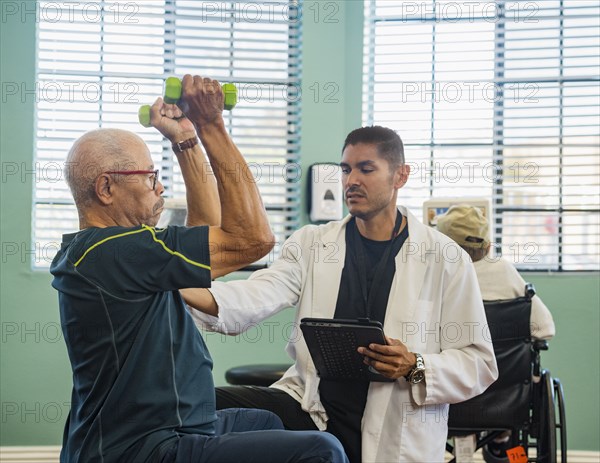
401,176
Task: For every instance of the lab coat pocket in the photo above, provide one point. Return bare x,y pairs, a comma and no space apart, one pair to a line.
424,430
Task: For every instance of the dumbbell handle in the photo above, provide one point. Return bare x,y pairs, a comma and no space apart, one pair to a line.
173,91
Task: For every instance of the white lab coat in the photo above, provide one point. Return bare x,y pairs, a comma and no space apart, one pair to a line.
434,307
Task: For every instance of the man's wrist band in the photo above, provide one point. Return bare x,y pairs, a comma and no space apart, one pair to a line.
181,146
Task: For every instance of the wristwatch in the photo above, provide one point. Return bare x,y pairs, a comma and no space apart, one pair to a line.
417,374
181,146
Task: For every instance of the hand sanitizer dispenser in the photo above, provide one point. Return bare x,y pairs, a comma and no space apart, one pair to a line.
325,192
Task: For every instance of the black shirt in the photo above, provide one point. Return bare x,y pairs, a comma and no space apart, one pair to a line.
141,370
345,401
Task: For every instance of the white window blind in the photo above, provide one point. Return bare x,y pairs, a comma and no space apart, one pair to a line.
99,61
497,100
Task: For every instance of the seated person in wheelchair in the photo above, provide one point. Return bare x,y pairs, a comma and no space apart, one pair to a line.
498,279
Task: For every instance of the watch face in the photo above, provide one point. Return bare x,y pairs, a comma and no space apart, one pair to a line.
417,377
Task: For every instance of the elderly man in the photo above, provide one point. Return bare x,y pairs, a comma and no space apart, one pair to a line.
142,381
381,263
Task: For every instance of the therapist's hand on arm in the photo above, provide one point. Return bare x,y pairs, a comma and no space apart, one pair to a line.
393,360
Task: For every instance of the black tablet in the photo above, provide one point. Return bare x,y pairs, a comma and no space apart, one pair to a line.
333,347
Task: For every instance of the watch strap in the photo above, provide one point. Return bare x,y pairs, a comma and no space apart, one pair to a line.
181,146
419,366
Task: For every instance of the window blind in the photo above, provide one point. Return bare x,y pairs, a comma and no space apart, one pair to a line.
99,61
497,100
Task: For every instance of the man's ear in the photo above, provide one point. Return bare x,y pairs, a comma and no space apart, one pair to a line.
104,188
401,176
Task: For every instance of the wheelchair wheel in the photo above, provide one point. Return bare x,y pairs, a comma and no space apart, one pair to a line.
562,424
546,438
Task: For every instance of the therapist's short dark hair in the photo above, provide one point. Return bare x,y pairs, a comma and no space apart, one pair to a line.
388,142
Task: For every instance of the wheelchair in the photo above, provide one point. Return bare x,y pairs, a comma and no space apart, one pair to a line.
525,400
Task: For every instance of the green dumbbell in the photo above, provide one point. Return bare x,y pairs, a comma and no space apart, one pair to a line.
173,90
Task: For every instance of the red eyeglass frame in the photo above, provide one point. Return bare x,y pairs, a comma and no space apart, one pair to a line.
137,172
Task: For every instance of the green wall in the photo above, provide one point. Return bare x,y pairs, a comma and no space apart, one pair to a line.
35,375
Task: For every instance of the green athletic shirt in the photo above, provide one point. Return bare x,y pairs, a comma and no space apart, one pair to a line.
141,370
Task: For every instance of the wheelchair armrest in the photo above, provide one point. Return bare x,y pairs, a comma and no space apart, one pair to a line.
540,344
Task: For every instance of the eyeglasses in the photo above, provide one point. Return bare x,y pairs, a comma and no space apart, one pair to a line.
137,172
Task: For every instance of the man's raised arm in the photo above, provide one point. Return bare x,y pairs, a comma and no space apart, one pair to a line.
244,235
202,197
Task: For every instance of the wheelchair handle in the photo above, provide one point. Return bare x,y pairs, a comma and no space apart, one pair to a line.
540,344
529,290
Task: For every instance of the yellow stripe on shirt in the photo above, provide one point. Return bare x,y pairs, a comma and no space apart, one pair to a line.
152,232
175,253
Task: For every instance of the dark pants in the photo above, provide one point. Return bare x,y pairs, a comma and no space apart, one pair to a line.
255,436
266,398
290,412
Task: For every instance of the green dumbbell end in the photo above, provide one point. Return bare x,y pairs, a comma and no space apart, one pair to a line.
231,96
144,115
172,90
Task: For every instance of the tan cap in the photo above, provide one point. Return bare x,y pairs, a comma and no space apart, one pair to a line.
466,225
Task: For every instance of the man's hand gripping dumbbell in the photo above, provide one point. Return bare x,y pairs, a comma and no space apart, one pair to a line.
173,94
